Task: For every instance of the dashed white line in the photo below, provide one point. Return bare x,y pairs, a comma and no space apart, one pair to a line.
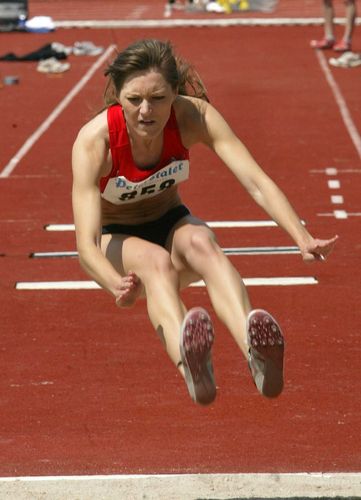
334,184
331,171
340,214
337,199
335,171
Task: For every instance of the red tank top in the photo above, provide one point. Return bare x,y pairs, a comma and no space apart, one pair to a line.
126,182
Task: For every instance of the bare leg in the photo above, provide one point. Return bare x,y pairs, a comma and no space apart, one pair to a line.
256,332
165,309
187,337
147,270
132,287
328,15
195,247
350,19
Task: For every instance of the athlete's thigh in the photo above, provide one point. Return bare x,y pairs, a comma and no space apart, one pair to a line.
130,253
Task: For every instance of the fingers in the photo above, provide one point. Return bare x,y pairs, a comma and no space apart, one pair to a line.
323,248
320,250
133,276
318,256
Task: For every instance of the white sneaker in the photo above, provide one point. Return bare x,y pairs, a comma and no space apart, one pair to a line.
87,49
347,60
59,47
52,65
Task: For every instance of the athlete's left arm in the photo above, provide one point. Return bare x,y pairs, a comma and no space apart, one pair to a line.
218,135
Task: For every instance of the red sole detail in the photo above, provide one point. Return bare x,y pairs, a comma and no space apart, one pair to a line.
197,337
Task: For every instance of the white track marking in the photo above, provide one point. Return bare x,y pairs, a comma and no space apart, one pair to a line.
53,255
241,223
341,103
340,214
337,199
197,22
227,251
60,227
183,486
214,224
91,285
29,143
335,171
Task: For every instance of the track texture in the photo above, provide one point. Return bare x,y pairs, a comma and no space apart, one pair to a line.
87,388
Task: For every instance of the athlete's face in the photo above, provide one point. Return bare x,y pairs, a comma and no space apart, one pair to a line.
146,98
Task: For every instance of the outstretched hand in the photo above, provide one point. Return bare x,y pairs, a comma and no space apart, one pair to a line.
318,249
128,290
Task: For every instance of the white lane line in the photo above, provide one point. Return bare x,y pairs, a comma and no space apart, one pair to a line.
29,143
52,255
279,281
337,200
215,224
341,103
340,214
177,23
91,285
331,171
335,171
227,251
57,285
334,184
59,227
185,486
241,223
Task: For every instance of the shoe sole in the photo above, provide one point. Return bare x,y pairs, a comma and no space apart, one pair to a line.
196,340
266,352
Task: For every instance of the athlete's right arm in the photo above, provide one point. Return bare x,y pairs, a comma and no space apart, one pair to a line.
89,153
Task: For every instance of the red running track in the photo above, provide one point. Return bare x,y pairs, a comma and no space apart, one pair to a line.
86,388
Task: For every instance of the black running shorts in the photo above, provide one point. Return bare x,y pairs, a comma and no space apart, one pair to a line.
156,231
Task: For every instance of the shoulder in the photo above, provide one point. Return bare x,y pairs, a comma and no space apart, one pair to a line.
190,114
199,121
94,131
91,147
189,108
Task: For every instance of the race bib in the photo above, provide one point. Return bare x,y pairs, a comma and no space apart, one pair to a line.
120,190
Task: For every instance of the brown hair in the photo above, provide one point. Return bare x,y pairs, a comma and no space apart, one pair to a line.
152,54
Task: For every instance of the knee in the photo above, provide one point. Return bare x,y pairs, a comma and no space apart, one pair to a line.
203,244
158,262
